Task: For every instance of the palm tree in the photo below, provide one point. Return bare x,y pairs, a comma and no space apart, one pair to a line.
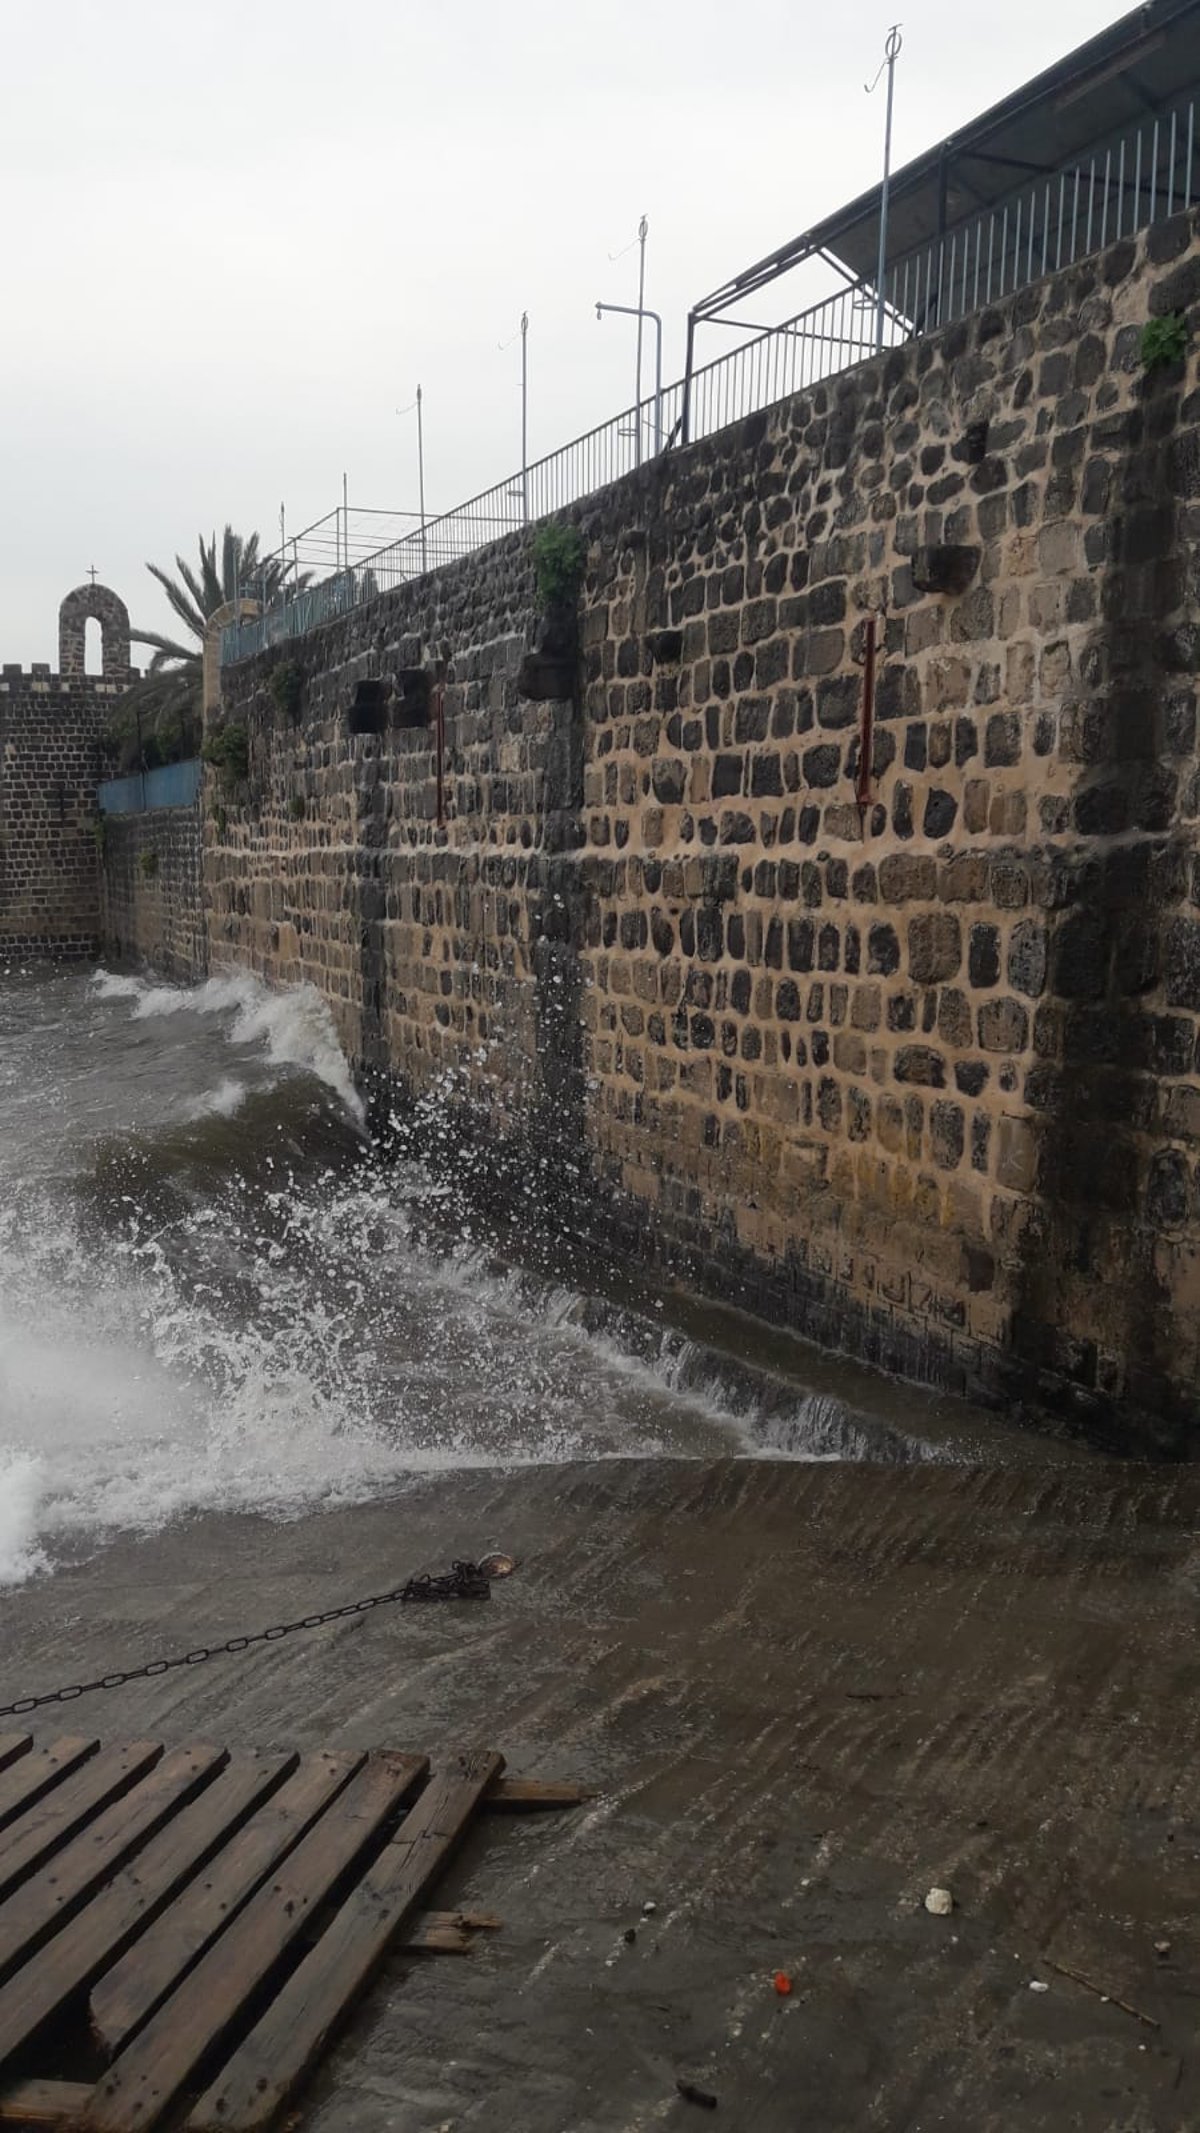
158,719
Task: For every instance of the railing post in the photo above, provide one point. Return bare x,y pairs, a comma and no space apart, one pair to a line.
685,419
525,418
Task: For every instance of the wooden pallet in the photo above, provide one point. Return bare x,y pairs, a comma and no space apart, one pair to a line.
181,1931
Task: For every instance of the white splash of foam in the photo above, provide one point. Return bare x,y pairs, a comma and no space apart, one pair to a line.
20,1492
293,1024
217,996
297,1029
221,1102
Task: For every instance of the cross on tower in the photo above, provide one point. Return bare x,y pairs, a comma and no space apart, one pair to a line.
92,572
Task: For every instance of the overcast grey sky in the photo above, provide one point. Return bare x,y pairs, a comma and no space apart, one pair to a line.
237,235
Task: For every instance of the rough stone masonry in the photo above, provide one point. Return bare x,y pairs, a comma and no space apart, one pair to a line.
919,1079
51,761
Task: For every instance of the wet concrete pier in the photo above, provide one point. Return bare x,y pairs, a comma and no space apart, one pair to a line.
802,1696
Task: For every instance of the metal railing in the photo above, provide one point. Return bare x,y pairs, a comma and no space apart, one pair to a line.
1050,223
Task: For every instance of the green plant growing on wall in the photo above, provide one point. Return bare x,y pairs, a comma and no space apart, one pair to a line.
558,560
100,834
1164,341
220,817
287,687
148,863
227,751
296,807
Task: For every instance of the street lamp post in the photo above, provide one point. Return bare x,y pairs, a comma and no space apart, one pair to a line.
421,477
643,226
891,54
640,312
525,418
523,492
418,404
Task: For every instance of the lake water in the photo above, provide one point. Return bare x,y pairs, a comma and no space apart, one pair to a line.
214,1296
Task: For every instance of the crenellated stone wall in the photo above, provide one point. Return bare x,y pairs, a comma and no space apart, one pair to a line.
916,1076
51,761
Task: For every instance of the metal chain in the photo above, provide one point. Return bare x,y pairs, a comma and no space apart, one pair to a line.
463,1581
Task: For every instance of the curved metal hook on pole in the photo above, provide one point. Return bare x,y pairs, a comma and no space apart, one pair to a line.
643,312
892,51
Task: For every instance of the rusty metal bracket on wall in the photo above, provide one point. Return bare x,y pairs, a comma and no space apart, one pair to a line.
866,727
439,732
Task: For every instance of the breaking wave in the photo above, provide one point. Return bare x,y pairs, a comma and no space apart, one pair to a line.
292,1025
213,1296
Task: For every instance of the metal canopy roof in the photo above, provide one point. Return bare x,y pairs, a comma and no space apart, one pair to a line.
1141,64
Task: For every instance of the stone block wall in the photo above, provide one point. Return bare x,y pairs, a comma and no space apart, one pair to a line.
151,898
51,760
917,1076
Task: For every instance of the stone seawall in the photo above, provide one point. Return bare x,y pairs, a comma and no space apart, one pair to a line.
151,897
916,1076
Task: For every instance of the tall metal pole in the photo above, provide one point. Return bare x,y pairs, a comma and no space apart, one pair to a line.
685,418
421,477
282,546
643,226
346,526
525,417
892,53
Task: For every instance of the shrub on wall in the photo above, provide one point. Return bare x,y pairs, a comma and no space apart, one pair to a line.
287,687
228,752
558,559
1164,341
148,863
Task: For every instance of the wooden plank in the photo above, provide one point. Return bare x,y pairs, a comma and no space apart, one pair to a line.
272,2061
34,1775
12,1747
127,1996
42,2103
36,1910
72,1804
151,2071
107,1925
533,1795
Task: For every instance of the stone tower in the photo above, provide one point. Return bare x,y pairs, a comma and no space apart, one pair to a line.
98,603
52,758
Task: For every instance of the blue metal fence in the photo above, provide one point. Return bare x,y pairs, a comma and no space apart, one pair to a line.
175,785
